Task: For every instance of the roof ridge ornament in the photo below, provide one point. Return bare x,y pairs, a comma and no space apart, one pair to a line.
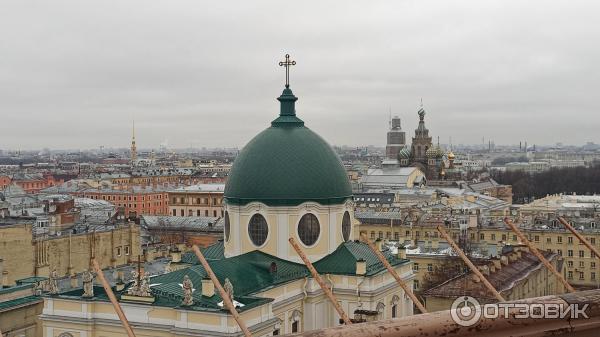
287,64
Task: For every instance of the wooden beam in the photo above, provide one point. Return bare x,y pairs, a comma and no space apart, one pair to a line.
322,284
401,283
470,264
539,255
579,236
112,298
226,300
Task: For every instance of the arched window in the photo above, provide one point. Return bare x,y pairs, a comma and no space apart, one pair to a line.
227,226
295,321
309,229
346,226
394,303
380,310
258,230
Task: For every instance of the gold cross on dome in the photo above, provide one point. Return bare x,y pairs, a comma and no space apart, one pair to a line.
287,64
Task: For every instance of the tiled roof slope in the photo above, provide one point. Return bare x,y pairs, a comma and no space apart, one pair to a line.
343,259
502,280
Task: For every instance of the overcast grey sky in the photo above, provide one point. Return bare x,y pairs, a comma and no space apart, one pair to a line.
73,74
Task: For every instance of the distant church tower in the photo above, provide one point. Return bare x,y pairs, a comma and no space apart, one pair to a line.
396,139
421,142
133,147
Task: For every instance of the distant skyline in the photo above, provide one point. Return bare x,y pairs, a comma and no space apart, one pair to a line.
74,74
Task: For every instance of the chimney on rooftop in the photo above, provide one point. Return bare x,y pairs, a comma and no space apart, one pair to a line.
208,287
402,252
361,267
379,244
504,260
497,264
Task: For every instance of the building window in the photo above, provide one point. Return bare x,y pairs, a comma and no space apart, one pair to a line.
537,238
227,226
258,229
570,253
570,275
581,275
415,266
294,326
593,275
395,301
503,237
570,264
381,235
118,251
276,332
559,251
429,267
482,236
396,236
548,240
126,250
174,212
309,229
416,284
570,239
198,213
214,213
559,239
493,236
182,212
346,226
581,253
372,235
581,264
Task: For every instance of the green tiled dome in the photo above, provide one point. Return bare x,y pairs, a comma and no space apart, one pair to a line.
287,164
404,153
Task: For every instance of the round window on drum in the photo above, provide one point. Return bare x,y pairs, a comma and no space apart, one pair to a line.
309,229
346,226
227,226
258,230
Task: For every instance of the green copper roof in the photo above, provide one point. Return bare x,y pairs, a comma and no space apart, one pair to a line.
287,164
216,251
343,260
18,302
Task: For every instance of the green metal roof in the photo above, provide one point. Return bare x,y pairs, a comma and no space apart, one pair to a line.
249,273
216,251
19,302
17,287
287,164
343,260
31,280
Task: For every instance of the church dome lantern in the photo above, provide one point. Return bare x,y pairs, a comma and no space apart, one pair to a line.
290,179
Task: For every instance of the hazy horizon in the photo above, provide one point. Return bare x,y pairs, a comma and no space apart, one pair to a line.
75,74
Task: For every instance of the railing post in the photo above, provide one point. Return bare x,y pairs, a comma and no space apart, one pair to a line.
113,298
470,264
391,270
536,252
226,301
322,284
